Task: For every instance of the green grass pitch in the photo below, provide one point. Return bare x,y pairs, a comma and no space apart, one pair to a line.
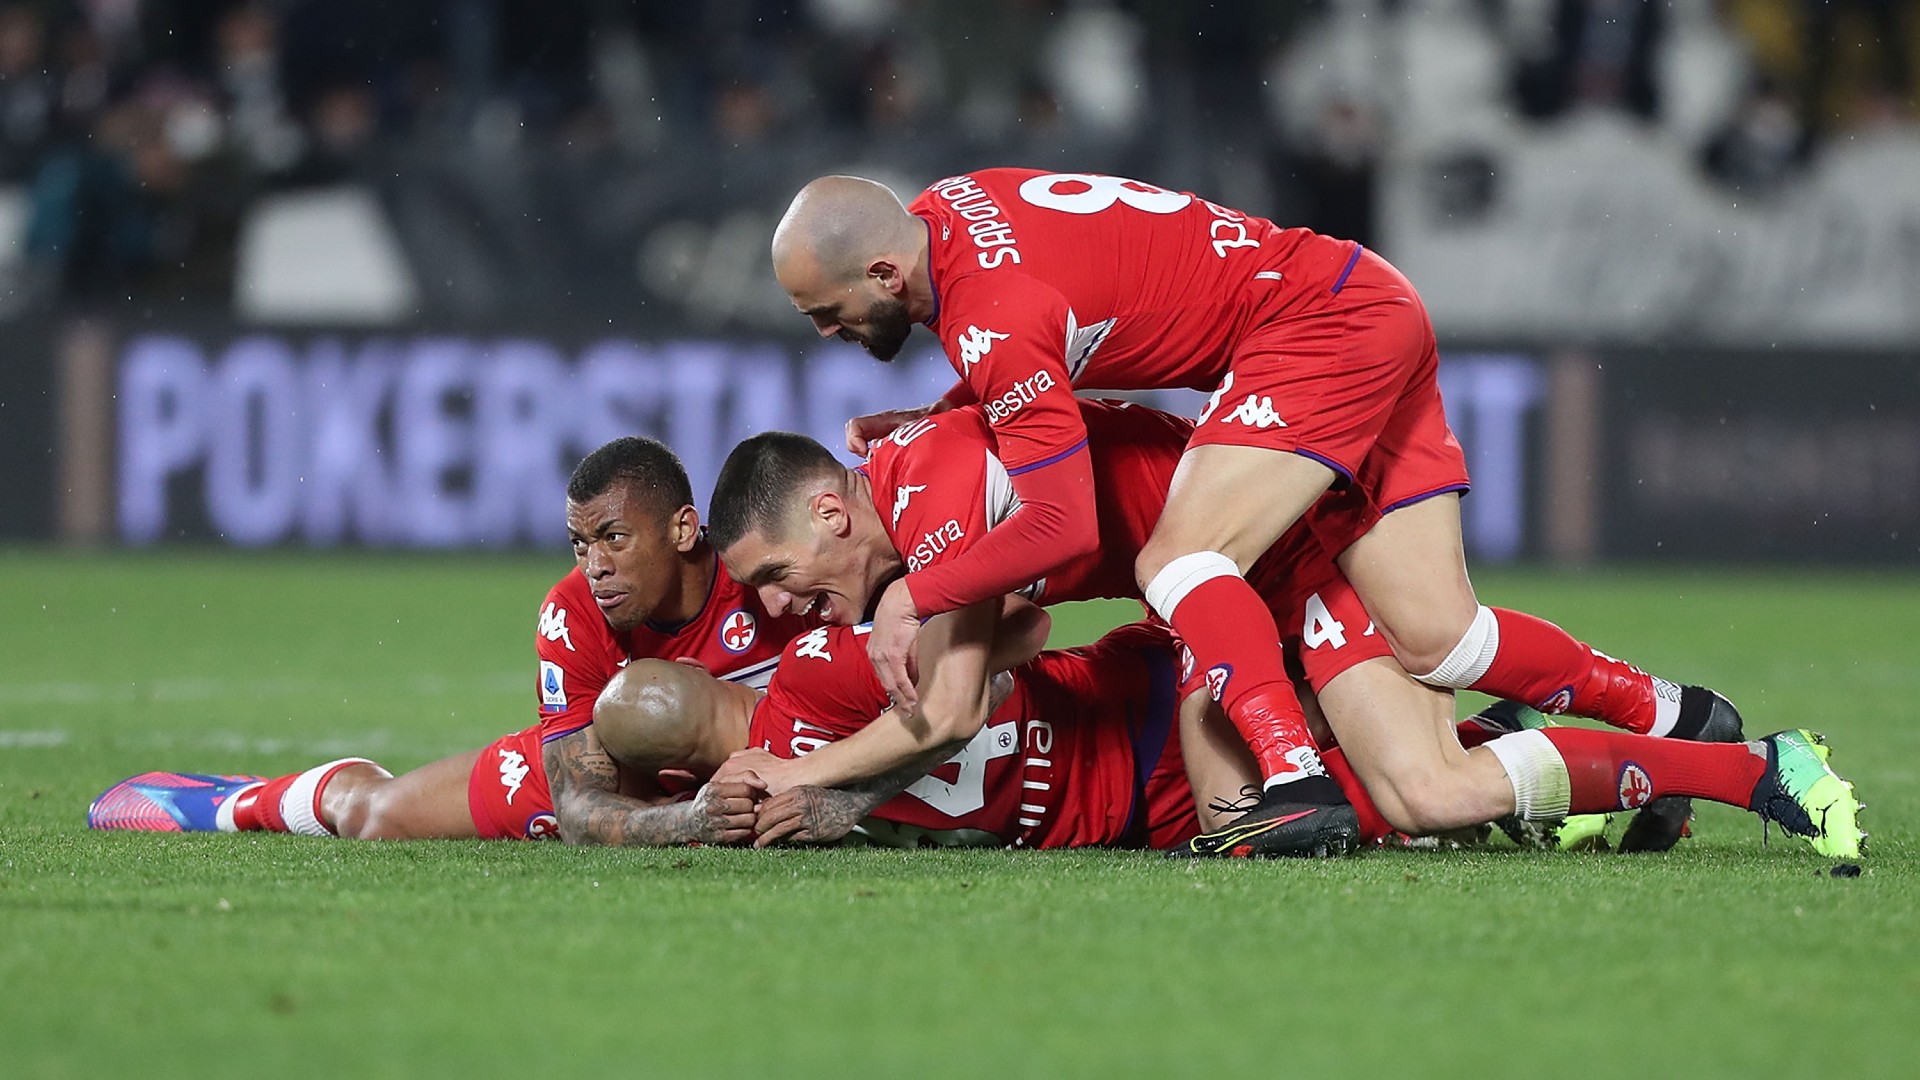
125,955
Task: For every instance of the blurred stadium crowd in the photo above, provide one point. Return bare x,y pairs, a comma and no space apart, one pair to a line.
545,134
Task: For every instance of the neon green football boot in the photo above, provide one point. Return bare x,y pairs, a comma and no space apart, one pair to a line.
1803,794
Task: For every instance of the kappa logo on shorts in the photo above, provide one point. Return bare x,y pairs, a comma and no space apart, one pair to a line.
1217,677
1256,412
1636,787
974,344
738,631
543,827
1560,702
553,687
513,772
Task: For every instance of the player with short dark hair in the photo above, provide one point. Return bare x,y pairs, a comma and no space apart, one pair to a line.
1322,366
646,584
934,491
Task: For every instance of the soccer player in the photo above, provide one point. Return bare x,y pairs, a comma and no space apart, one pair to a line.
646,584
1321,362
814,536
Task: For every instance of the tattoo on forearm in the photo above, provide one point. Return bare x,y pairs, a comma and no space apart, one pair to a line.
831,813
586,799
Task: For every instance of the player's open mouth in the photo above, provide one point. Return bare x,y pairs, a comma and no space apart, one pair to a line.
609,601
816,605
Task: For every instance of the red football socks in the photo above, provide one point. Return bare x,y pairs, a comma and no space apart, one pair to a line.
1611,771
1542,665
260,808
1237,647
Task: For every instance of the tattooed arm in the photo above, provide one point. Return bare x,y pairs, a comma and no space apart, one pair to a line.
817,815
591,808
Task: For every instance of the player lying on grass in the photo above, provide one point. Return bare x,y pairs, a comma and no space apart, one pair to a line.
646,584
1323,368
812,536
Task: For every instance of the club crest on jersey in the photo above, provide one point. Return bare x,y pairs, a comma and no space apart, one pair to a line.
1636,787
543,827
513,772
1560,702
553,687
553,625
738,631
901,497
974,344
1217,677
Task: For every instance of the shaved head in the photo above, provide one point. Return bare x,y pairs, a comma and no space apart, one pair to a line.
837,225
855,262
660,714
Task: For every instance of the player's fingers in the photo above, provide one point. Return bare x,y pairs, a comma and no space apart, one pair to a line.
856,438
900,681
735,835
785,829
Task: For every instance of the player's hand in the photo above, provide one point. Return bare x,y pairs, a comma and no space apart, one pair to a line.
896,628
725,812
755,766
802,815
693,662
864,431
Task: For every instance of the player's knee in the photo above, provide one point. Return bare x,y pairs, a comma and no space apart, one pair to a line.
1447,651
372,815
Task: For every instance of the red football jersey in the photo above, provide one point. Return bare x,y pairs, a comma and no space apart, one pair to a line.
732,636
940,484
1047,281
1052,767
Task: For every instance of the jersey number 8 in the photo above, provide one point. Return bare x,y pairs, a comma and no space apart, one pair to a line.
1091,193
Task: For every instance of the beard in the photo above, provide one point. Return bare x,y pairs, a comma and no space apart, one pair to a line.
888,326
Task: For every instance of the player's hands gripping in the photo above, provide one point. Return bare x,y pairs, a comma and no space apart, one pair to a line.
760,769
864,431
804,815
724,812
896,629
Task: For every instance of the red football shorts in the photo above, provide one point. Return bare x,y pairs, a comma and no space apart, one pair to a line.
507,790
1349,379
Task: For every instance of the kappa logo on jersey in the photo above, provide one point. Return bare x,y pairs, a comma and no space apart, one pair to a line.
1023,393
738,631
974,344
553,687
1217,677
1255,411
933,543
813,645
553,625
513,772
1636,787
900,499
911,432
543,827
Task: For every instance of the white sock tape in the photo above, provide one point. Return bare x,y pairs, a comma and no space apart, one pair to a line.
1542,790
297,805
1183,575
1471,656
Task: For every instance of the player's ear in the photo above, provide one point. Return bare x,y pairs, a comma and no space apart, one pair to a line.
887,273
830,514
683,529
